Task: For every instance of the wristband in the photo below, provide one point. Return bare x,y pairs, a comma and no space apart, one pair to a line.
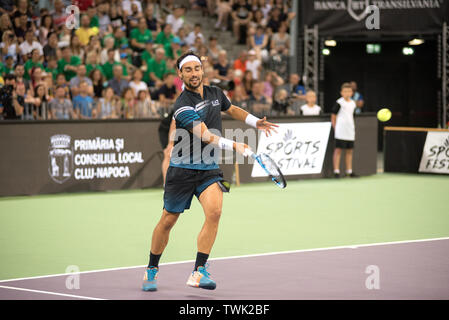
251,120
225,144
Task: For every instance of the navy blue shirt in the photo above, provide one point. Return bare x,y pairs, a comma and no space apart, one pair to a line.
189,110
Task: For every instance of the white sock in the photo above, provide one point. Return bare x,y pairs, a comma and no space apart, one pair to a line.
349,171
337,171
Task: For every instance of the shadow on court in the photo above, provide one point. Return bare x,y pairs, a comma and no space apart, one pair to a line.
409,270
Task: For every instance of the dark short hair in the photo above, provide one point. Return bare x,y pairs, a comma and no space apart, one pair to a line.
188,53
10,76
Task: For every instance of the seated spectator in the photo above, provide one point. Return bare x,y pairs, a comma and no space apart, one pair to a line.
173,50
9,107
104,20
240,62
281,102
224,8
51,49
19,73
240,98
222,68
145,108
156,69
60,107
150,17
241,16
22,26
98,82
294,88
108,66
280,42
258,19
108,106
127,4
78,79
29,44
8,67
109,43
165,36
176,18
213,49
39,102
310,108
27,113
85,31
76,47
253,64
62,82
92,62
272,81
140,36
136,83
59,14
83,103
117,83
197,46
259,42
195,33
167,93
276,19
127,66
10,45
247,81
68,64
128,104
257,102
52,67
46,26
35,61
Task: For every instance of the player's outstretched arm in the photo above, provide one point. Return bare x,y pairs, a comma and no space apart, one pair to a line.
238,113
202,132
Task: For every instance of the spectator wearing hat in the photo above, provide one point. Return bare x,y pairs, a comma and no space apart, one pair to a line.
254,64
140,36
176,19
8,66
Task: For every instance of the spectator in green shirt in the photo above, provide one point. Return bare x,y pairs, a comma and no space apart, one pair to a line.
165,36
109,65
33,62
148,53
8,67
156,69
92,13
173,49
68,63
140,35
91,62
120,37
52,66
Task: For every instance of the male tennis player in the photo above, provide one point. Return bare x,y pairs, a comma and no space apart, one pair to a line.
196,111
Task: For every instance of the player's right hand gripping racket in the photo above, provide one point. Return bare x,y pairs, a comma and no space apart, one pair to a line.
269,166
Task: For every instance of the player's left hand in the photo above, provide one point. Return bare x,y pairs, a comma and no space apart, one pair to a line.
266,126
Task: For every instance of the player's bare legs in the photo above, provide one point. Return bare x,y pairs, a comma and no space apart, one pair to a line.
165,162
211,200
162,231
336,160
348,160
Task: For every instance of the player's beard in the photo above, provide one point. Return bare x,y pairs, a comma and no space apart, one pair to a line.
191,86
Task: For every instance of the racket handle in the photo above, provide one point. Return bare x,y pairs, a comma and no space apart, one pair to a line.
248,153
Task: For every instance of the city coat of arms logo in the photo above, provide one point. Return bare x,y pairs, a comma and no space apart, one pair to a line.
60,158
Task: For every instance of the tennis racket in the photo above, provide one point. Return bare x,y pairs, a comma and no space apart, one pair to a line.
269,166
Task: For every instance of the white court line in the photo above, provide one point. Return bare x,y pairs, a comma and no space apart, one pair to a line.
52,293
353,246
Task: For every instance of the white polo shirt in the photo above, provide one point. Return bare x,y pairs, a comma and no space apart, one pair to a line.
310,111
344,126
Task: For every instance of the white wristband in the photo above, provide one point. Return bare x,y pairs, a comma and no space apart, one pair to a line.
225,144
251,120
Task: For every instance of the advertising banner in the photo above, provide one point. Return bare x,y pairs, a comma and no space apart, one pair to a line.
435,156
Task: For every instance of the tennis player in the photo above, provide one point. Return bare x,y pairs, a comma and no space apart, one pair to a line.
197,111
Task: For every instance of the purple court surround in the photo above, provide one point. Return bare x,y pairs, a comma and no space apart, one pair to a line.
407,270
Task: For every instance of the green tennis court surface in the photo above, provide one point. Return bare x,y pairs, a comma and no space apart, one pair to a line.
42,235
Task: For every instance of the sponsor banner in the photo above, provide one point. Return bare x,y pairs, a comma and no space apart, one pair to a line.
357,17
297,148
435,156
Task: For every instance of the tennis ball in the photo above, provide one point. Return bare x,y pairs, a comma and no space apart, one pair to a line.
384,115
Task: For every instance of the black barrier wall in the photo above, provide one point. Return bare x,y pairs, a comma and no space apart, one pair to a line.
72,156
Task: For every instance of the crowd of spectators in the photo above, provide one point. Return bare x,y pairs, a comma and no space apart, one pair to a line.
118,60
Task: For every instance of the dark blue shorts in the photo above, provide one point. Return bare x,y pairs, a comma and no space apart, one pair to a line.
182,184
